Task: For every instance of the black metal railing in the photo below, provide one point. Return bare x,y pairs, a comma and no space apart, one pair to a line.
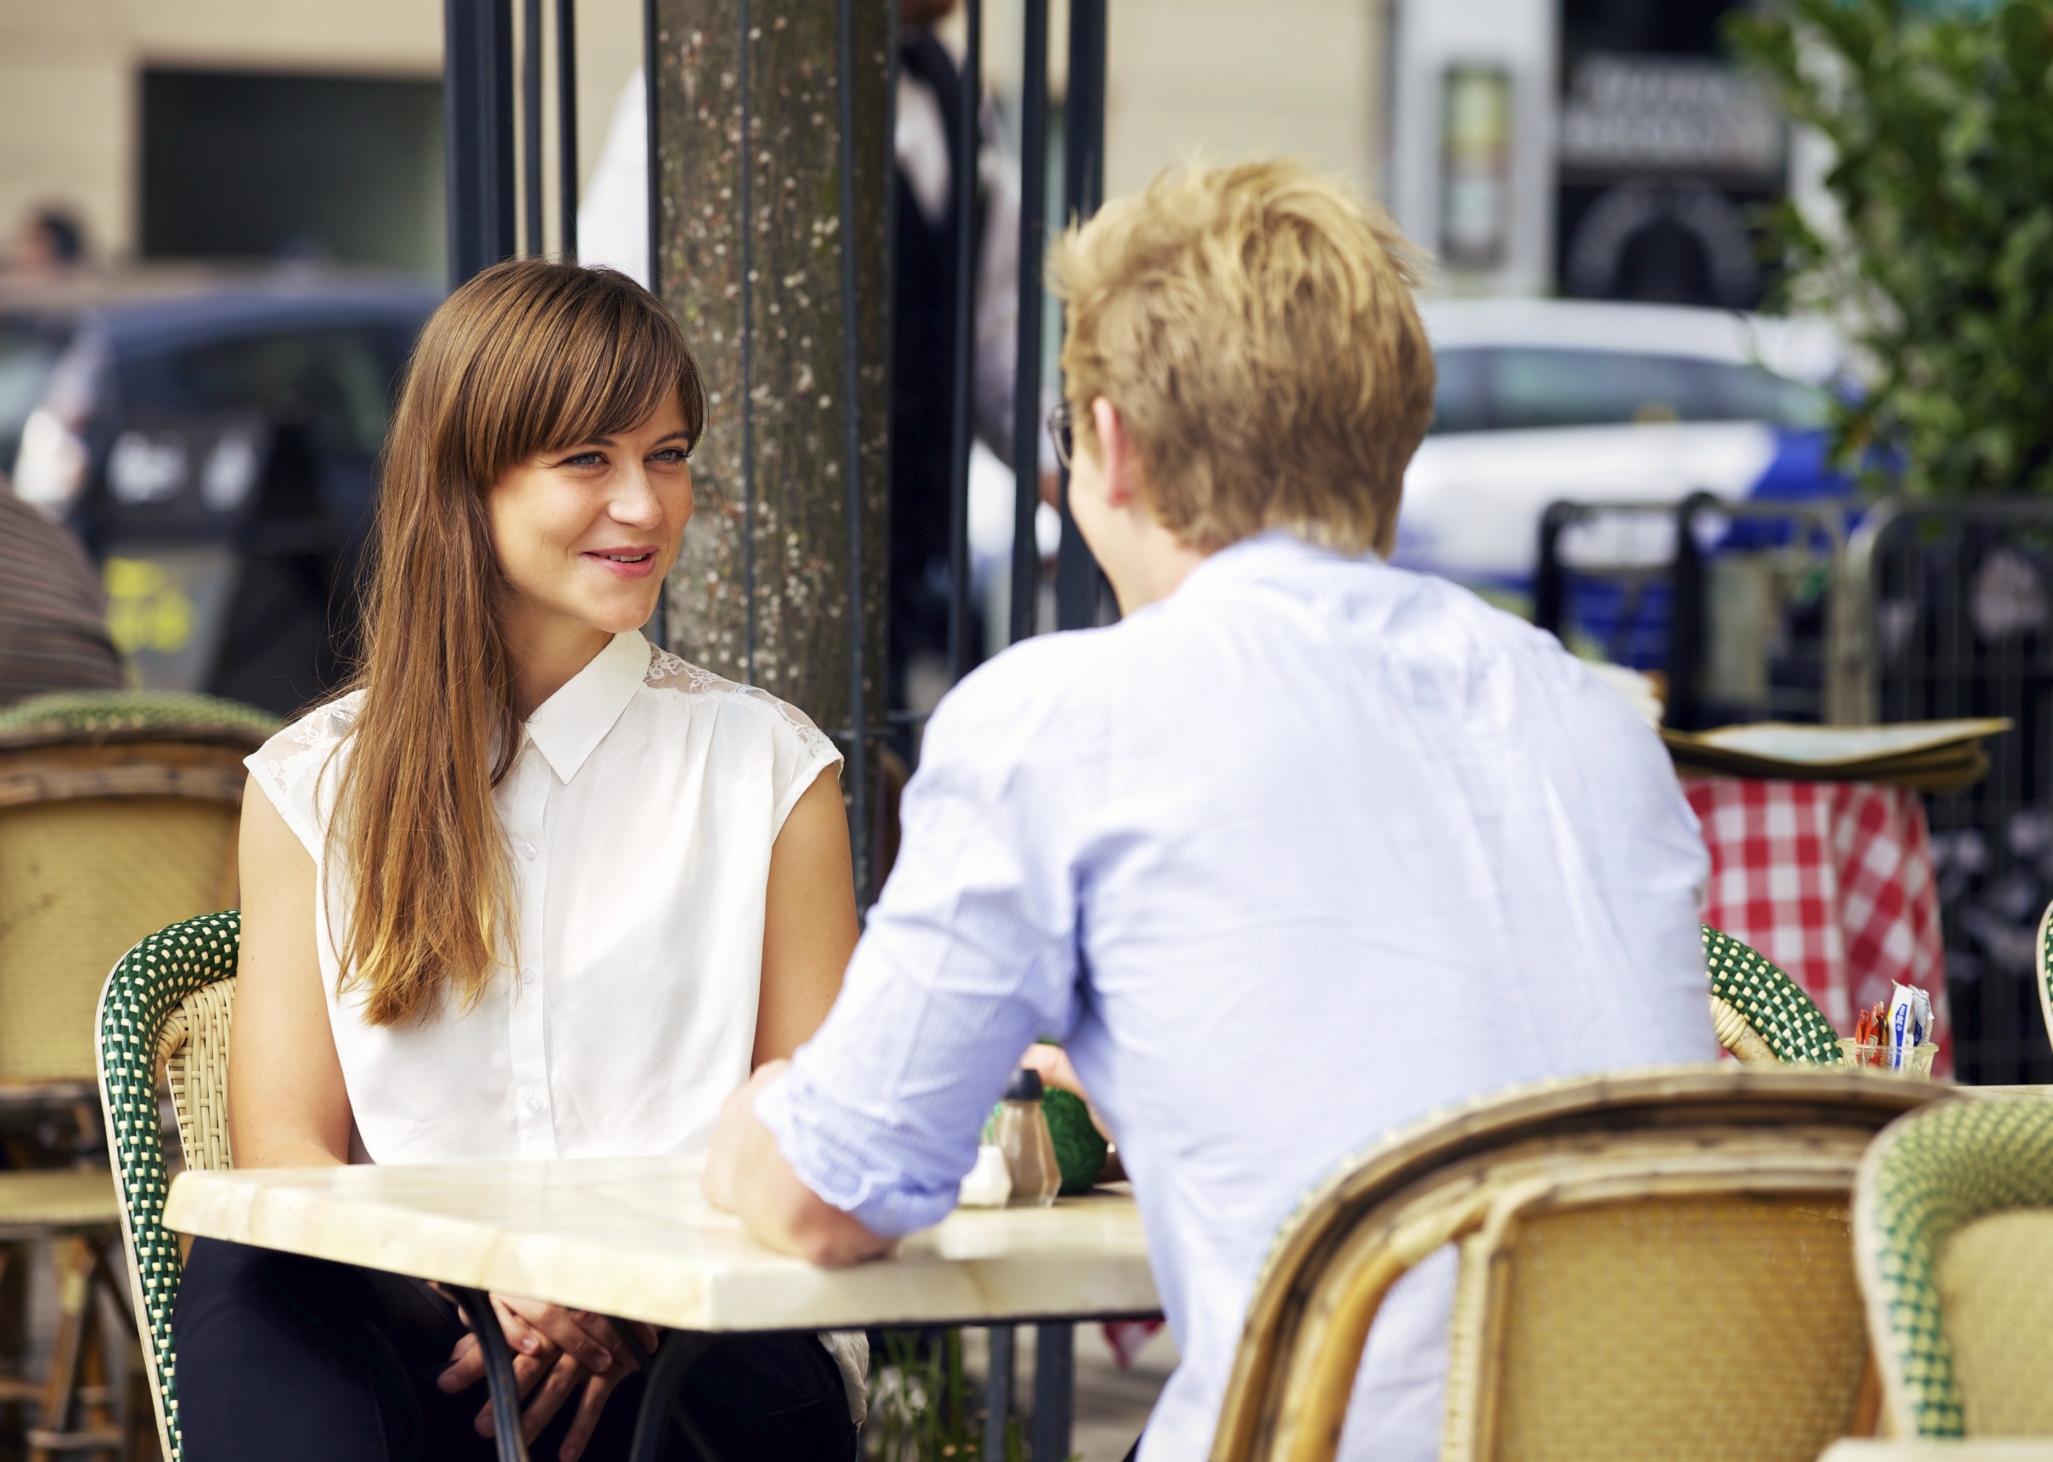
1949,609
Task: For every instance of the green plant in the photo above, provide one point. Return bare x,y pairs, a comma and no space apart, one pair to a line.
920,1407
1941,260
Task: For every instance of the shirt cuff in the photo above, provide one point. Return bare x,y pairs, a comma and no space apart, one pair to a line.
888,1204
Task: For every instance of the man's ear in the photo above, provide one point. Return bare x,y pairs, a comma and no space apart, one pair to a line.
1115,450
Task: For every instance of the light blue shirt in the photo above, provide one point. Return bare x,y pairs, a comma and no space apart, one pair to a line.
1299,854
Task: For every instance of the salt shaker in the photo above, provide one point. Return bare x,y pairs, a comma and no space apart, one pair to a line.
1020,1129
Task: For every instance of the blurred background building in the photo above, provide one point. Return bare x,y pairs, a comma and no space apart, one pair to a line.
1599,147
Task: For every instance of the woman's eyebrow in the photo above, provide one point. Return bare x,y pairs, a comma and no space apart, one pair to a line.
673,436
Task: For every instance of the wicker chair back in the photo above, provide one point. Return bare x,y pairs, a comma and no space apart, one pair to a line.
2042,948
165,1002
1761,1015
1635,1251
118,816
1953,1241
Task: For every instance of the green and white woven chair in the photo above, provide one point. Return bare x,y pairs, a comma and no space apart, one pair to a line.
165,1010
1762,1015
2043,945
1953,1245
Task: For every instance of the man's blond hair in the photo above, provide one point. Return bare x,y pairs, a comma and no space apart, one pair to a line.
1254,326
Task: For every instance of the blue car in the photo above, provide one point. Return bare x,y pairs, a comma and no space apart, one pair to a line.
213,439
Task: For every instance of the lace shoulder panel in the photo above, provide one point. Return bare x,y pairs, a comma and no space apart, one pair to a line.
670,672
293,767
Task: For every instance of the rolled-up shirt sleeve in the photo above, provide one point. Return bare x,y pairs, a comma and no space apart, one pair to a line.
969,956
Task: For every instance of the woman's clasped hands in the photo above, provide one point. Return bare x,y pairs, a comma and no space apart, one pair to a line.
555,1352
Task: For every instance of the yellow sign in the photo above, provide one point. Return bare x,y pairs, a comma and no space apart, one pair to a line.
147,608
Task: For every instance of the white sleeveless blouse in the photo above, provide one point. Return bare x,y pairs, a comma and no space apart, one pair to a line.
640,812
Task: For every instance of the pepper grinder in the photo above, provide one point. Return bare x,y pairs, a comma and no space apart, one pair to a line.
1020,1130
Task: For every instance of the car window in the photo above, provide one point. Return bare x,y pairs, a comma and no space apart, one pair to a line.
337,381
1515,388
29,350
1461,400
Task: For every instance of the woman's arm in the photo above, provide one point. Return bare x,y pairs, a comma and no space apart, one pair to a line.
809,925
287,1106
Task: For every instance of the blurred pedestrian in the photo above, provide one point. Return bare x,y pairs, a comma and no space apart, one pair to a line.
51,239
53,612
931,97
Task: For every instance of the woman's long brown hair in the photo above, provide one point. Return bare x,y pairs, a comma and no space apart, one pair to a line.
526,358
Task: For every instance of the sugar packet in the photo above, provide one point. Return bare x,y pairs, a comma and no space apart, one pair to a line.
1910,1023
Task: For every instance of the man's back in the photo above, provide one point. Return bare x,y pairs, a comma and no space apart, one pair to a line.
1301,853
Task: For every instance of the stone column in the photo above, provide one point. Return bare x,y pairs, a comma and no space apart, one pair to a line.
748,249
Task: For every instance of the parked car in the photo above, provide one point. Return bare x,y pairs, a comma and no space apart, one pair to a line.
1542,401
212,437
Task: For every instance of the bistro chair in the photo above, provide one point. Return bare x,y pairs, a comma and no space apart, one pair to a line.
164,1018
1953,1243
1761,1015
2043,957
1650,1264
118,813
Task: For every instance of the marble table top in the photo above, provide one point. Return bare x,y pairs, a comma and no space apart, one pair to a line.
634,1237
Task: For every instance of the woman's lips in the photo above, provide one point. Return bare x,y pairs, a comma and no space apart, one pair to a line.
626,563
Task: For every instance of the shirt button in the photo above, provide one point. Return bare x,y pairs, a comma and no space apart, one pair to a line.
527,851
532,1101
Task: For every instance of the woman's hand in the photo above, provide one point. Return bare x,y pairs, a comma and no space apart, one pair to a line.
555,1352
1056,1071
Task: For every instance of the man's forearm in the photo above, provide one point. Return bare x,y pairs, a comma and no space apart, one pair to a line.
747,1174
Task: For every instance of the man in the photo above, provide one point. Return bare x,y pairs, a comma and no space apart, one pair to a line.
1302,849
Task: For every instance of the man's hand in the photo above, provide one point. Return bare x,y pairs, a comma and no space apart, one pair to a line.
562,1351
748,1176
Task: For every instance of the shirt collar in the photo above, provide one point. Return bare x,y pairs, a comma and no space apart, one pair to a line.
574,720
1267,551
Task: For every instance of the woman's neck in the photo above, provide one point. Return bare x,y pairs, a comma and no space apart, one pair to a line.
547,651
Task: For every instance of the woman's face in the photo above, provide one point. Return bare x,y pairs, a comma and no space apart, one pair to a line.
587,533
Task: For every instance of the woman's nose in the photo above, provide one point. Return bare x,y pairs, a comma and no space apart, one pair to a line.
635,501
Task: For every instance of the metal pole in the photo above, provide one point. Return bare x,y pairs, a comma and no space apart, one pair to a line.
531,124
1054,1388
998,1390
566,126
965,189
1078,582
748,337
1026,399
852,467
477,104
651,69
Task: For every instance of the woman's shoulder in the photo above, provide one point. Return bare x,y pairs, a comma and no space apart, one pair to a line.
676,680
295,767
318,731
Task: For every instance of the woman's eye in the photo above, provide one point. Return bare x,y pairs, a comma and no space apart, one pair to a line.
586,459
669,455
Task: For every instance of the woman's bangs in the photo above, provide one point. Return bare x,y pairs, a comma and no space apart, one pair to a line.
615,371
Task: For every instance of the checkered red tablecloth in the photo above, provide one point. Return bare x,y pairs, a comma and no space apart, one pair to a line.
1833,882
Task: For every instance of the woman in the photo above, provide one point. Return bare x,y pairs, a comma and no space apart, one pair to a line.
530,889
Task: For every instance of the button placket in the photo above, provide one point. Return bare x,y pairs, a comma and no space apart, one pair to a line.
534,1122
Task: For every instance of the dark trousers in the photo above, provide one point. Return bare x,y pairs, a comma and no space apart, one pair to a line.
288,1359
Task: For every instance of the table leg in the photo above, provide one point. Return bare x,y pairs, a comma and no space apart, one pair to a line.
1054,1390
477,1305
678,1353
998,1391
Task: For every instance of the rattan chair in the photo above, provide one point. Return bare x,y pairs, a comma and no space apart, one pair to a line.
1651,1264
164,1017
2043,951
118,815
1953,1241
1760,1014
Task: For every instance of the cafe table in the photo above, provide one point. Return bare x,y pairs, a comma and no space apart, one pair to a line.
636,1239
